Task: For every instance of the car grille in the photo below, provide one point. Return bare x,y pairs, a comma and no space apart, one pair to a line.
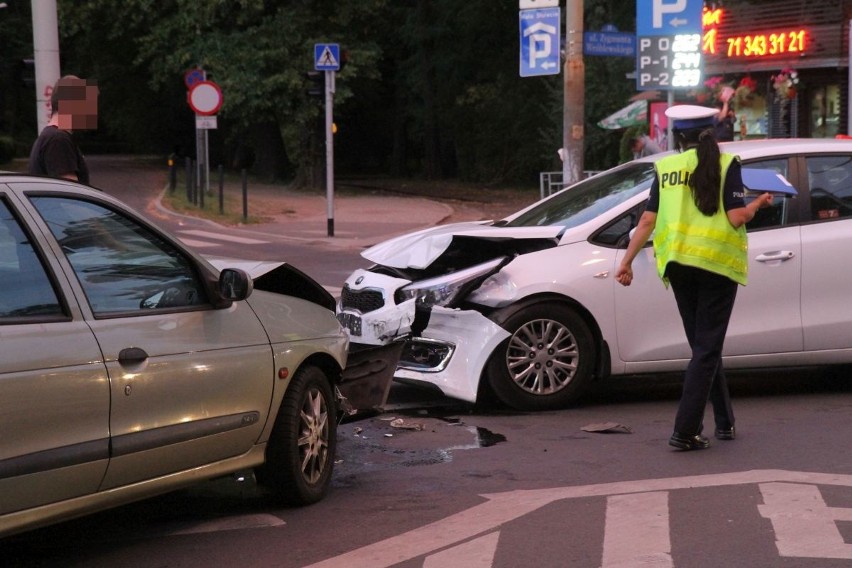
364,301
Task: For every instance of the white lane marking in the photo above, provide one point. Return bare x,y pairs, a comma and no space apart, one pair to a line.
805,527
199,244
477,553
636,532
504,507
223,237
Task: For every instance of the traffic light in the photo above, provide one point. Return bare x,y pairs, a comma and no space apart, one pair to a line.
28,72
317,87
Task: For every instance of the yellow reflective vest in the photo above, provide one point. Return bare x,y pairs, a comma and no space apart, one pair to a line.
683,234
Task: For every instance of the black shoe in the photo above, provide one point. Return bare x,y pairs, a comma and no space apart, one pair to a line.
726,433
696,442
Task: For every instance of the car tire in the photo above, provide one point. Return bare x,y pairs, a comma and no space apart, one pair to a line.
547,361
300,452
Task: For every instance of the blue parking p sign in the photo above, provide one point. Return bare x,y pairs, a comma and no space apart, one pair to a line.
668,17
539,34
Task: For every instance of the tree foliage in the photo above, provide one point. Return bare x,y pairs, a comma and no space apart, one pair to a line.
431,87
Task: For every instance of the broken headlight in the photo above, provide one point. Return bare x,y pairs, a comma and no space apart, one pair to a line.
442,290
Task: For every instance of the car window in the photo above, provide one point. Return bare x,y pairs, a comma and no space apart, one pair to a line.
830,181
777,214
586,200
27,291
121,265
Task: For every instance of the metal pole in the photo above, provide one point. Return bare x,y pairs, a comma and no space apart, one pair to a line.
329,148
849,86
669,135
188,179
221,189
574,95
245,195
206,162
200,154
45,56
172,174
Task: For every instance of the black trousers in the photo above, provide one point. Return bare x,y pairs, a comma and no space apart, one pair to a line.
705,301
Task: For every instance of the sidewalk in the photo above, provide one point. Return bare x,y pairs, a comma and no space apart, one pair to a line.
364,215
366,211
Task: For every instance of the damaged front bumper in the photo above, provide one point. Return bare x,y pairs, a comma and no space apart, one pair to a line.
366,380
451,352
443,347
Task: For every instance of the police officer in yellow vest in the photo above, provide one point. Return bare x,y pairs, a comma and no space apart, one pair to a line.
697,213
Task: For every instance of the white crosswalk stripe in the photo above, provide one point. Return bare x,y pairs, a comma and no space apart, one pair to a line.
199,244
637,531
221,237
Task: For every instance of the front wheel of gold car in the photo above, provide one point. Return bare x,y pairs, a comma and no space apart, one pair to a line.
300,452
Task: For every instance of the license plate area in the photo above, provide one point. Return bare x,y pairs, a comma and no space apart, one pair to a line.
351,322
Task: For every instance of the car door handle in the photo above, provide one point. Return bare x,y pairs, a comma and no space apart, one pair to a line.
775,255
131,355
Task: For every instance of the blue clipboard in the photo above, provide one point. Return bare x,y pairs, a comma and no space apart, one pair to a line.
761,181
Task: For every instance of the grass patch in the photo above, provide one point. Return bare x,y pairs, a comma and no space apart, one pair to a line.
232,207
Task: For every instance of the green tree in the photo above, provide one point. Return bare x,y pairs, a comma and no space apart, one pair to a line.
431,88
17,95
256,51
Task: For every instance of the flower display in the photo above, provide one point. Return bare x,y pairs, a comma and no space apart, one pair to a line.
785,84
744,93
712,91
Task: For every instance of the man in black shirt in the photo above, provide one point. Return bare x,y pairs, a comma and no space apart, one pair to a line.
74,106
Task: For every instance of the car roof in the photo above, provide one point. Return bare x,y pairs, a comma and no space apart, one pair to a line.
747,149
58,184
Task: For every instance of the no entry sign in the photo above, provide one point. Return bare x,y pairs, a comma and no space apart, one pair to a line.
205,98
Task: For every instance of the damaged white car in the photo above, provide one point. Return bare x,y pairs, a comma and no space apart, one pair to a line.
528,306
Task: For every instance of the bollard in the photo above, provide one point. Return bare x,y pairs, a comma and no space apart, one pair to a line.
188,180
172,174
221,189
196,178
245,195
201,190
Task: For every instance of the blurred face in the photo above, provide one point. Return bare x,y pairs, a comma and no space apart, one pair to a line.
77,107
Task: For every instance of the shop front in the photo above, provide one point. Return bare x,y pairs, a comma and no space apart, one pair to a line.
786,62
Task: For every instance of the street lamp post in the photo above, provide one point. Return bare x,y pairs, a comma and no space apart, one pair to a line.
574,87
45,55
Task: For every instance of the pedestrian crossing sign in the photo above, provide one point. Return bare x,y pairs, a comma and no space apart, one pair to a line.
327,57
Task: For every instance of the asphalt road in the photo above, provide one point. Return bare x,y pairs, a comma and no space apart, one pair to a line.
468,487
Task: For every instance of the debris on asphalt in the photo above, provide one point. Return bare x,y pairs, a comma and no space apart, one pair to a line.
402,424
608,428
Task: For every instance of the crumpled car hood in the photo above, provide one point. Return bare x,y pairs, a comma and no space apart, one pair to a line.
280,278
420,249
254,268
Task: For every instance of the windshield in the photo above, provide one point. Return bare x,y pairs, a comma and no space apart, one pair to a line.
586,200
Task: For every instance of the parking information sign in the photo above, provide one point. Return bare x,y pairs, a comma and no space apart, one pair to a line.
668,44
539,35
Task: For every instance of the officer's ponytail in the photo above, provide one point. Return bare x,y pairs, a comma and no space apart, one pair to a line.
706,181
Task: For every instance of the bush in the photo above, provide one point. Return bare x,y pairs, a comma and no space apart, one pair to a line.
7,149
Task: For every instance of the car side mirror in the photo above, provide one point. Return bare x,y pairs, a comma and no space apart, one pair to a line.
234,284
